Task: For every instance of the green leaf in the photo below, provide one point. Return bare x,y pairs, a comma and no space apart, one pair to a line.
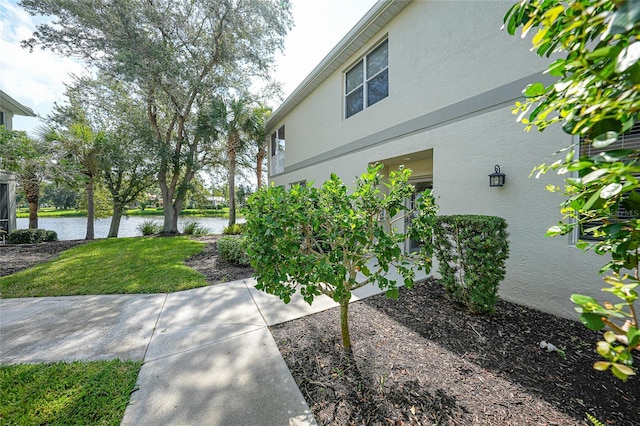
626,370
603,348
534,90
633,336
592,321
393,293
605,139
610,191
601,365
628,57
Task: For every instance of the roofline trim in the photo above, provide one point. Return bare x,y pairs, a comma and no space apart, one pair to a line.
14,106
381,13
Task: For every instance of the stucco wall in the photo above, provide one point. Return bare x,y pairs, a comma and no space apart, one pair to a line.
440,53
453,77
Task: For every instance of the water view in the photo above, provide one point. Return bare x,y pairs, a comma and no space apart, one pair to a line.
75,228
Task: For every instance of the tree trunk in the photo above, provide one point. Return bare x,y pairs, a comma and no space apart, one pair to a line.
31,187
344,324
118,209
170,225
259,161
33,214
232,187
171,214
90,209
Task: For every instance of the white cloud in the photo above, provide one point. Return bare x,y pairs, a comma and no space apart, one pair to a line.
35,79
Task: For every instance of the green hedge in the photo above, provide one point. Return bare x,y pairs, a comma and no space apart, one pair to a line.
31,236
233,249
472,251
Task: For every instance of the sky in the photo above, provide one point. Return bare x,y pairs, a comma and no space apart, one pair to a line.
37,79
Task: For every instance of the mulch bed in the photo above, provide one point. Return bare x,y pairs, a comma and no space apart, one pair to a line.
420,360
16,257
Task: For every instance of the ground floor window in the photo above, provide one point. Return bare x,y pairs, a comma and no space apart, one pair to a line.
630,140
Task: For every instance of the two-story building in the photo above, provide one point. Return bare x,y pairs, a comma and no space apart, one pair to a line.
430,85
8,108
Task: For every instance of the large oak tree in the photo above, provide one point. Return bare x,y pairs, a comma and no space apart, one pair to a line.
176,54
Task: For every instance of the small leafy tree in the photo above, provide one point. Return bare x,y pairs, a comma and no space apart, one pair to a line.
596,97
331,241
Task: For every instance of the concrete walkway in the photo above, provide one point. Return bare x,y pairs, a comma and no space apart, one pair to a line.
209,358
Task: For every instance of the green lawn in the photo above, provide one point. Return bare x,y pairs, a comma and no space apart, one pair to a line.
61,393
111,266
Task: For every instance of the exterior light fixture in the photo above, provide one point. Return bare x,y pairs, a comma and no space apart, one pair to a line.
496,178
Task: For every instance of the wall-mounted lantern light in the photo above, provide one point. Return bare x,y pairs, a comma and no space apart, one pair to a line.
496,178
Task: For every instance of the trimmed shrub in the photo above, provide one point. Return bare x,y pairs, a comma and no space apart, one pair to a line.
50,236
472,251
194,228
235,229
233,249
31,236
149,227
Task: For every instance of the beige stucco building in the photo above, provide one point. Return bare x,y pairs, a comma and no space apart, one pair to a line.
430,84
8,108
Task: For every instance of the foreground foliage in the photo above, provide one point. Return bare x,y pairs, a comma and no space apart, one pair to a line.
331,241
112,266
472,251
61,393
596,97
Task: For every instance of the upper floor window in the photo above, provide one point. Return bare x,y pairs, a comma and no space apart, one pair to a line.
367,82
277,141
277,151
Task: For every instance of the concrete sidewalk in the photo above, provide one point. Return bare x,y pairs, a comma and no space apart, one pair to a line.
209,358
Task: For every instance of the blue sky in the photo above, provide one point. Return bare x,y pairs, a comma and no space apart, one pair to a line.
37,79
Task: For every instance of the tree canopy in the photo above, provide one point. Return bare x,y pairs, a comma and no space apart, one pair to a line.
175,54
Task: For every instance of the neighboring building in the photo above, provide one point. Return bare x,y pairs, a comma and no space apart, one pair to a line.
8,108
430,84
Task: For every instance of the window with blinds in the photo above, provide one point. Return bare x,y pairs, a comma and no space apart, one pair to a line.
630,140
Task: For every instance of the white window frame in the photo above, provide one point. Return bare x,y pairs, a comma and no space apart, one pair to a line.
365,81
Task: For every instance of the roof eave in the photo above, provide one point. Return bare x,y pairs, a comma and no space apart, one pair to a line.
10,104
371,23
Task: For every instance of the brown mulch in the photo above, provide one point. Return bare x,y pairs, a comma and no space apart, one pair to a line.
16,257
216,270
420,360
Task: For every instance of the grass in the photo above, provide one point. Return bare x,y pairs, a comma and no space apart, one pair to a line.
149,211
51,212
61,393
111,266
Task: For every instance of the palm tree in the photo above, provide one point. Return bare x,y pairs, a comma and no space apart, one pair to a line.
258,136
29,159
81,148
232,122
